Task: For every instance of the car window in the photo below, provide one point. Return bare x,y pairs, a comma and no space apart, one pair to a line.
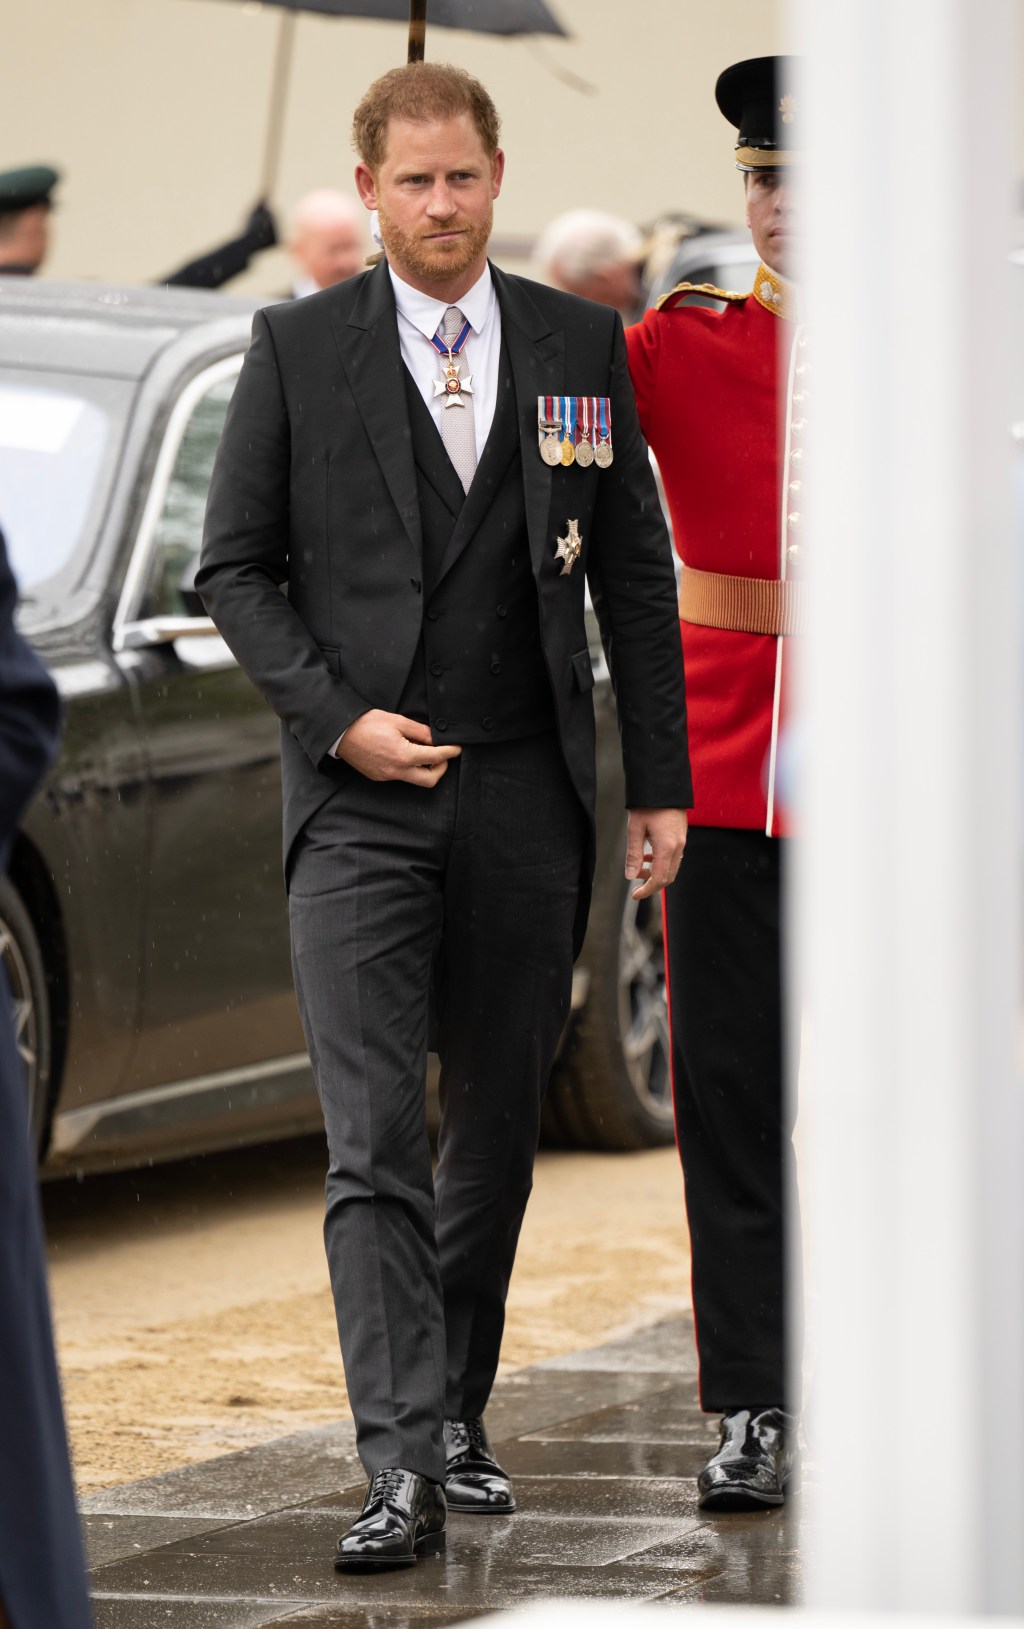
179,529
728,263
56,455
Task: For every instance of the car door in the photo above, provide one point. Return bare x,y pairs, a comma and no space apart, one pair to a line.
217,993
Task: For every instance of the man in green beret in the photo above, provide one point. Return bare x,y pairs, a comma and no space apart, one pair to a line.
25,205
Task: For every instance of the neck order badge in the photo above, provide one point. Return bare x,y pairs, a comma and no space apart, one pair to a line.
451,385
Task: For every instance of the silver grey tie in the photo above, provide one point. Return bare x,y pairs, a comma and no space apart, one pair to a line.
458,429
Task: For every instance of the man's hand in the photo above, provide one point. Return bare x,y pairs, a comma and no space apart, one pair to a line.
388,747
664,833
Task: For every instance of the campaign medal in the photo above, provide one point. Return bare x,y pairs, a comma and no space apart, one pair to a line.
451,385
569,426
568,550
549,425
585,446
603,454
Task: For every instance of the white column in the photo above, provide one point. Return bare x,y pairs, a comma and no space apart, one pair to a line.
909,895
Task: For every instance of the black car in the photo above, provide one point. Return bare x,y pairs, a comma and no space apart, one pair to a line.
143,924
725,258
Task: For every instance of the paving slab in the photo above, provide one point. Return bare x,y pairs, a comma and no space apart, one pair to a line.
112,1538
233,1487
604,1446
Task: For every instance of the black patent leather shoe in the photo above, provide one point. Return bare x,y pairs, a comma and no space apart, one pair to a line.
474,1481
755,1462
402,1520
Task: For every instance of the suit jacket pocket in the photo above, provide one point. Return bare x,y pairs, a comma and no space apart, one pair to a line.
583,670
332,659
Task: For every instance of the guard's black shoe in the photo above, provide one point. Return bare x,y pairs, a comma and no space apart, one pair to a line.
754,1463
402,1519
474,1481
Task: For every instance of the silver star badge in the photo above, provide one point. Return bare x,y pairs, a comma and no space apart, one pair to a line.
568,550
451,387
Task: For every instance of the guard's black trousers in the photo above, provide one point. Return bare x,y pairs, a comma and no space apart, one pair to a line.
733,1122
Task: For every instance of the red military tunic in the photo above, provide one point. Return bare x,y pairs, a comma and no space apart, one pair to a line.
724,425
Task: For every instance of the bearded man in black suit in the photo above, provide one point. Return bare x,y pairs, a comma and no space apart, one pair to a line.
404,456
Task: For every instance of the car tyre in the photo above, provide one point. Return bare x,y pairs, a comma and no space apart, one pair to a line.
612,1087
25,971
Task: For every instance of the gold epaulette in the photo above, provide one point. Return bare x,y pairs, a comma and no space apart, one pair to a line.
682,289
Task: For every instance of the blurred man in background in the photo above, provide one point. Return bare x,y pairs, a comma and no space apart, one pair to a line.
595,255
26,205
326,240
26,201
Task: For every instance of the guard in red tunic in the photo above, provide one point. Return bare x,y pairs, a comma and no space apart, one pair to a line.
722,397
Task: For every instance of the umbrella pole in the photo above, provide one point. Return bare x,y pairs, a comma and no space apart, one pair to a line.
417,30
278,97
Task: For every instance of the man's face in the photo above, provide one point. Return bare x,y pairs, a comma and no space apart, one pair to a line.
772,218
26,237
434,194
329,251
618,286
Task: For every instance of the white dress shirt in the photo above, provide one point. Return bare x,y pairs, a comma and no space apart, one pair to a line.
421,315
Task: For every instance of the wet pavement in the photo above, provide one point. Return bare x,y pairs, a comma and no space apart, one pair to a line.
604,1446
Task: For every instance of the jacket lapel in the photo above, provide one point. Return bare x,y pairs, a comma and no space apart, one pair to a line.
537,357
372,359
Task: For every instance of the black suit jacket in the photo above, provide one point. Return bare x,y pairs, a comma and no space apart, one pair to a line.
29,715
315,488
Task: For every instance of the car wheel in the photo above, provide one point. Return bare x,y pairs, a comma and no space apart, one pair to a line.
612,1089
26,978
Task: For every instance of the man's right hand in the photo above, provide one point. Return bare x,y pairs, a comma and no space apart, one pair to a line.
388,747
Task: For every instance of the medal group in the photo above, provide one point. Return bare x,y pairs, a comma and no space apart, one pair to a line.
575,430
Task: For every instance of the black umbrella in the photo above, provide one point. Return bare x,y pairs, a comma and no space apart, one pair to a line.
479,16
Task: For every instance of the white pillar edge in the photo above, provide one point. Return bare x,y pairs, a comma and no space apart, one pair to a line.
908,893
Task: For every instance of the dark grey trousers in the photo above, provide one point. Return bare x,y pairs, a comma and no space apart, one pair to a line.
469,889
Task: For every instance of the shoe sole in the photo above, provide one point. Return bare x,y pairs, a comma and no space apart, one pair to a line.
481,1510
736,1499
432,1544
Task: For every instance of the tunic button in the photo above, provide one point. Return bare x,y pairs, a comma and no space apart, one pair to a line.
793,552
798,425
502,610
793,519
436,668
796,456
432,616
440,723
488,723
495,667
795,487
